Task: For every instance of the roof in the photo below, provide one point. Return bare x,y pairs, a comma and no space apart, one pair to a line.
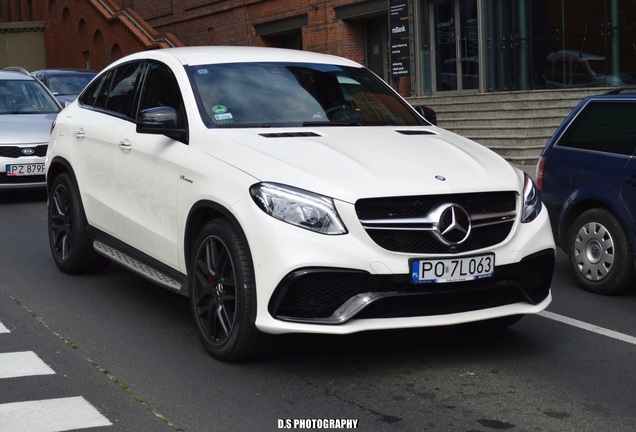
63,71
238,54
571,53
13,75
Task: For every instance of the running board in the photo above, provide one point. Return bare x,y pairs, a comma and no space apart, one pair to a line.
138,267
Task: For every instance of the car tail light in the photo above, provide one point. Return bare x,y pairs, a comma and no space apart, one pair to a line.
539,175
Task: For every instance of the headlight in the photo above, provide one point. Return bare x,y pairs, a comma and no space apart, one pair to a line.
298,207
531,201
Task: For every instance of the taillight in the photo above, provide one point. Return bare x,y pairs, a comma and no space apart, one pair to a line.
539,175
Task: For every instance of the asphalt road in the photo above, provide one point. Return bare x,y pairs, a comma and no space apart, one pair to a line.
129,350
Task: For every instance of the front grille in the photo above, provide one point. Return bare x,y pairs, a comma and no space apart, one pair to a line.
315,295
16,152
425,242
404,239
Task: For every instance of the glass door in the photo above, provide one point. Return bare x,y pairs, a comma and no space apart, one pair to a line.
456,44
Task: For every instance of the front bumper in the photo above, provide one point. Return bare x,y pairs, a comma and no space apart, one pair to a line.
336,296
313,283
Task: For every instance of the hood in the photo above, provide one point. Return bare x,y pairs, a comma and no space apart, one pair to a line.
25,128
348,163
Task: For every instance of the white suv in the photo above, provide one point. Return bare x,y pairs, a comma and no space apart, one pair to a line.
287,191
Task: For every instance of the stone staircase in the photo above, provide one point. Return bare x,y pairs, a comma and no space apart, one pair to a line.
517,125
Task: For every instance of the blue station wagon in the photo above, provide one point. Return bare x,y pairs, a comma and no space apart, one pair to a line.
587,180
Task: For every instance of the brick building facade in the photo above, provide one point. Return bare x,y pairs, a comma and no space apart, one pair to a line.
93,33
449,46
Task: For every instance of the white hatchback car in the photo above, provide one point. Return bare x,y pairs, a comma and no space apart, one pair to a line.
287,191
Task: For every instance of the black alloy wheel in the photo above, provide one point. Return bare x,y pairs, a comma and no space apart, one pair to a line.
70,246
223,295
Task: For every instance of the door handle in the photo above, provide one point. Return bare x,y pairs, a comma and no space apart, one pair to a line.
79,134
125,145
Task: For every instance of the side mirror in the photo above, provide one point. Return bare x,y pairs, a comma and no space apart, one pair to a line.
161,120
426,112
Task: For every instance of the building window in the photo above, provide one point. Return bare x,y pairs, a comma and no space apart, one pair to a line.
283,33
555,44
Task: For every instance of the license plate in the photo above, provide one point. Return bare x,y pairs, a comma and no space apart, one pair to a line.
25,169
452,269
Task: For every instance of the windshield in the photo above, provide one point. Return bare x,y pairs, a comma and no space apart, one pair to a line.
295,94
25,97
71,84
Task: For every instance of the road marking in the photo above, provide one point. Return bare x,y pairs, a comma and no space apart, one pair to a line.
20,364
589,327
3,329
50,415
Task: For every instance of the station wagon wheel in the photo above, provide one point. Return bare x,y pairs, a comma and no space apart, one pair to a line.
70,246
600,253
223,296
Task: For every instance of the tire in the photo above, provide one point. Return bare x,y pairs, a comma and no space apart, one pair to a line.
223,294
72,251
600,253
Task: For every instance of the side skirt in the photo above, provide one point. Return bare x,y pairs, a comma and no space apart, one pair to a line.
139,263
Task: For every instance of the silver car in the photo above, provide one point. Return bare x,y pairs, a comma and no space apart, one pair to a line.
27,111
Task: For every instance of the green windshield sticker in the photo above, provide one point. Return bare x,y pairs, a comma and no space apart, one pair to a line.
219,109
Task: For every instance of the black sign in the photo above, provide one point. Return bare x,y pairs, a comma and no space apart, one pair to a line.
399,38
398,10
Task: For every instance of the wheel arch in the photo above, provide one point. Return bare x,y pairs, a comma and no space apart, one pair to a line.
58,166
201,213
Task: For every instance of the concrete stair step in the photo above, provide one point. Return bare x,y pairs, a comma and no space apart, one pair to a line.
517,125
510,132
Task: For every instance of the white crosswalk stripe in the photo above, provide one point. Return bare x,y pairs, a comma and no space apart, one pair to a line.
50,415
46,415
19,364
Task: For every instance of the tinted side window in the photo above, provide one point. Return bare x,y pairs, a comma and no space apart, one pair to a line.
121,96
162,89
89,96
605,126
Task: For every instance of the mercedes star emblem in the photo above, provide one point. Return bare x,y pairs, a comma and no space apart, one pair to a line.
454,225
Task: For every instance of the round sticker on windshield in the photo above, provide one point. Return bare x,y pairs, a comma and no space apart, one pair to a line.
219,109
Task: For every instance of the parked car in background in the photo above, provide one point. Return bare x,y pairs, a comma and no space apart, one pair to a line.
286,191
587,178
65,84
27,111
570,69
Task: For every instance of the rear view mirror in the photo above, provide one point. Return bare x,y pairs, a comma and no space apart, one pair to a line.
161,120
426,112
